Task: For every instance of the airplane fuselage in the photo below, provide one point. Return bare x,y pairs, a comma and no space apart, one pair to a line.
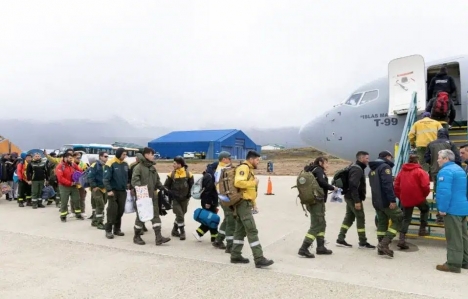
362,122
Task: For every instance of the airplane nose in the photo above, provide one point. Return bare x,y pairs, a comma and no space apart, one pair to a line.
313,133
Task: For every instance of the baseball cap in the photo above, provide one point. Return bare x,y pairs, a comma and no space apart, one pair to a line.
223,155
426,114
384,154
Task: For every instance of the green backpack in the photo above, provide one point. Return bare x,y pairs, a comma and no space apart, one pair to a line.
308,188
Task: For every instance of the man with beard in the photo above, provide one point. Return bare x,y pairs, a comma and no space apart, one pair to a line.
37,173
145,174
245,223
64,171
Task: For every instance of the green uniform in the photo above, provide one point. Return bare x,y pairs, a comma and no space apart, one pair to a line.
456,235
36,192
226,229
420,151
351,215
115,210
65,194
408,214
383,215
245,226
317,222
115,180
100,200
179,183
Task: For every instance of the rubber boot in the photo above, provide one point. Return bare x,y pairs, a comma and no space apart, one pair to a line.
175,230
422,231
108,228
159,238
34,205
379,252
402,242
304,251
383,246
182,233
137,237
321,249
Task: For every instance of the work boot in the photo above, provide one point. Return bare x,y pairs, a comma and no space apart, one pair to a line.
447,268
239,260
182,233
144,228
34,205
423,231
93,214
321,249
79,216
175,230
100,225
49,202
28,202
108,228
117,231
39,204
228,247
383,246
263,262
304,251
402,242
159,238
137,237
379,252
20,204
63,218
218,244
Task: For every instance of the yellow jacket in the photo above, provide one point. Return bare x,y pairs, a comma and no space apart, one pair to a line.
245,180
83,167
424,131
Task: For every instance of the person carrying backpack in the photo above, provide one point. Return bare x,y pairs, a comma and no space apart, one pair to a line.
317,211
442,82
355,194
209,200
442,109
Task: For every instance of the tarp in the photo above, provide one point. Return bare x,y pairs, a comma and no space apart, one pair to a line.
7,147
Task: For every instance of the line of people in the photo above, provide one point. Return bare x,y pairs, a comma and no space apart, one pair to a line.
111,181
411,186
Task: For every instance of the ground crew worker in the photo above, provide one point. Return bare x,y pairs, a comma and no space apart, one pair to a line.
245,223
431,156
24,188
98,190
116,184
179,184
384,201
145,174
55,161
37,173
130,173
421,134
354,197
227,227
64,172
317,211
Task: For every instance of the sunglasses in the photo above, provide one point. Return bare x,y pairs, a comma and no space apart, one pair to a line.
106,156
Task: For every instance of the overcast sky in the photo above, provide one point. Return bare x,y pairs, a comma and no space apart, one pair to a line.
192,64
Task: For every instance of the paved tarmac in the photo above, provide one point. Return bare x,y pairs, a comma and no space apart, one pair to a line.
40,257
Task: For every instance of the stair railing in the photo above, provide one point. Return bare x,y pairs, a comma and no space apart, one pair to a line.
404,145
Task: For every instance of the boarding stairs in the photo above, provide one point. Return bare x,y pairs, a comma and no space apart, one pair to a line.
459,135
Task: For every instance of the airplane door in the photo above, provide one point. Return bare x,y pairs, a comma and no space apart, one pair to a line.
406,75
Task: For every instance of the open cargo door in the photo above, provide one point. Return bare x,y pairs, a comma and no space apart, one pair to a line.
7,147
406,75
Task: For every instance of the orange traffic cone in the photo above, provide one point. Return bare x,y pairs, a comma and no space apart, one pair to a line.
269,188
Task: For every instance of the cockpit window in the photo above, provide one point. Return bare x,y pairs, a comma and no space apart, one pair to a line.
369,96
353,99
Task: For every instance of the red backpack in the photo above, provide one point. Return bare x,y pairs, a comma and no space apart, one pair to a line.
441,105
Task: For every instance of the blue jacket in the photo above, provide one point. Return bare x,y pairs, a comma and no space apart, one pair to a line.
451,190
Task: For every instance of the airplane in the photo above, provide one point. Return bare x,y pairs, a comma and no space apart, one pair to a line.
361,122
